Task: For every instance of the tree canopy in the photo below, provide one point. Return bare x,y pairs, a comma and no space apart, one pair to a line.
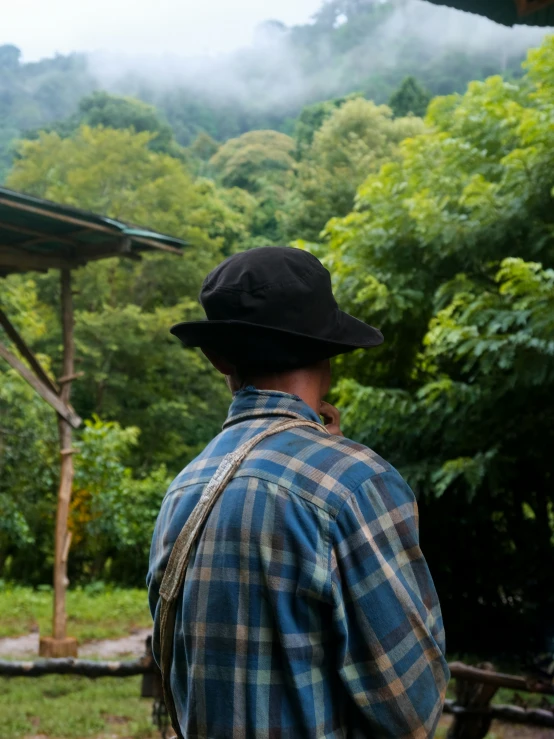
410,99
114,111
262,164
353,140
346,48
450,250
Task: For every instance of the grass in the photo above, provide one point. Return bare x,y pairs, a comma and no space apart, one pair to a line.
96,612
533,700
62,707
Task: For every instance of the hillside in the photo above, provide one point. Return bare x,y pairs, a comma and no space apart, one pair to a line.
350,45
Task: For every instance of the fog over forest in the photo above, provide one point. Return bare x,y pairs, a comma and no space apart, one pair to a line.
343,44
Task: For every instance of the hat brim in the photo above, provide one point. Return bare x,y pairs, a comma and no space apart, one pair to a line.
256,343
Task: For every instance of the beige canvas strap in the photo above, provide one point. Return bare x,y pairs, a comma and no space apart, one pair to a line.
178,561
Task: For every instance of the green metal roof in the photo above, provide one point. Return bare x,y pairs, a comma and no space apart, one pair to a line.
39,235
538,13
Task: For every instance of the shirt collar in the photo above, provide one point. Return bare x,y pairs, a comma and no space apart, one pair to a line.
253,403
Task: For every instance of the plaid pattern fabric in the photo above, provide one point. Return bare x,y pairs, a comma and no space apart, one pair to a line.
308,610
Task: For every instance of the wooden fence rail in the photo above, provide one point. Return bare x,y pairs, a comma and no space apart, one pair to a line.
472,710
69,666
475,688
486,676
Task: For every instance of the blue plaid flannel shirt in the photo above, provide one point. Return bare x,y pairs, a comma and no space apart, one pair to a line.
308,610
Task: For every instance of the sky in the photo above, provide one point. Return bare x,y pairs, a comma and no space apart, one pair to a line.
41,28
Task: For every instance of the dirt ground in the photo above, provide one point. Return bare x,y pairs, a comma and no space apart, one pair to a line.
26,647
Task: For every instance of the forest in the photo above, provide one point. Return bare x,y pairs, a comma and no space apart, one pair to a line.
350,46
425,183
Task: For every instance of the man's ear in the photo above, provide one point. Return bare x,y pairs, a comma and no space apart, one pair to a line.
220,363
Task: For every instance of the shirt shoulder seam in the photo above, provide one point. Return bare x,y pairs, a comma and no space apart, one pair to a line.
298,492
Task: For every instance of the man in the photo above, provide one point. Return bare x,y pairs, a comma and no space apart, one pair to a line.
307,609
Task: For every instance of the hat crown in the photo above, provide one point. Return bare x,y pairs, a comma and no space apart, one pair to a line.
276,287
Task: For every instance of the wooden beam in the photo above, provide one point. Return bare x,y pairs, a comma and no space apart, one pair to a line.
7,271
17,339
157,245
56,216
43,390
22,260
152,243
39,234
120,244
12,256
32,242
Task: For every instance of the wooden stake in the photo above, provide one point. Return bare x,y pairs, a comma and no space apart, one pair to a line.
66,475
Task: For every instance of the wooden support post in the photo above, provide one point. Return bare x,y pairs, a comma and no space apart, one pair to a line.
60,645
475,697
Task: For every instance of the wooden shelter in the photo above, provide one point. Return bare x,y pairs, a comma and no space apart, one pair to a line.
38,235
508,12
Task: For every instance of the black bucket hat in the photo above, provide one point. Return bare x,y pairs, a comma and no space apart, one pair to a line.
273,307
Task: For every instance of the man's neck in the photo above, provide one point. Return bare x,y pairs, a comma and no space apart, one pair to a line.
305,383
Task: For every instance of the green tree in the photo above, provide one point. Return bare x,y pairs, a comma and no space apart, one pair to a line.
112,512
262,163
352,142
310,121
113,111
410,99
254,159
115,173
450,251
134,372
204,147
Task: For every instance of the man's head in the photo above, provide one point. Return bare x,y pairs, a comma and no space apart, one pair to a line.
271,312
